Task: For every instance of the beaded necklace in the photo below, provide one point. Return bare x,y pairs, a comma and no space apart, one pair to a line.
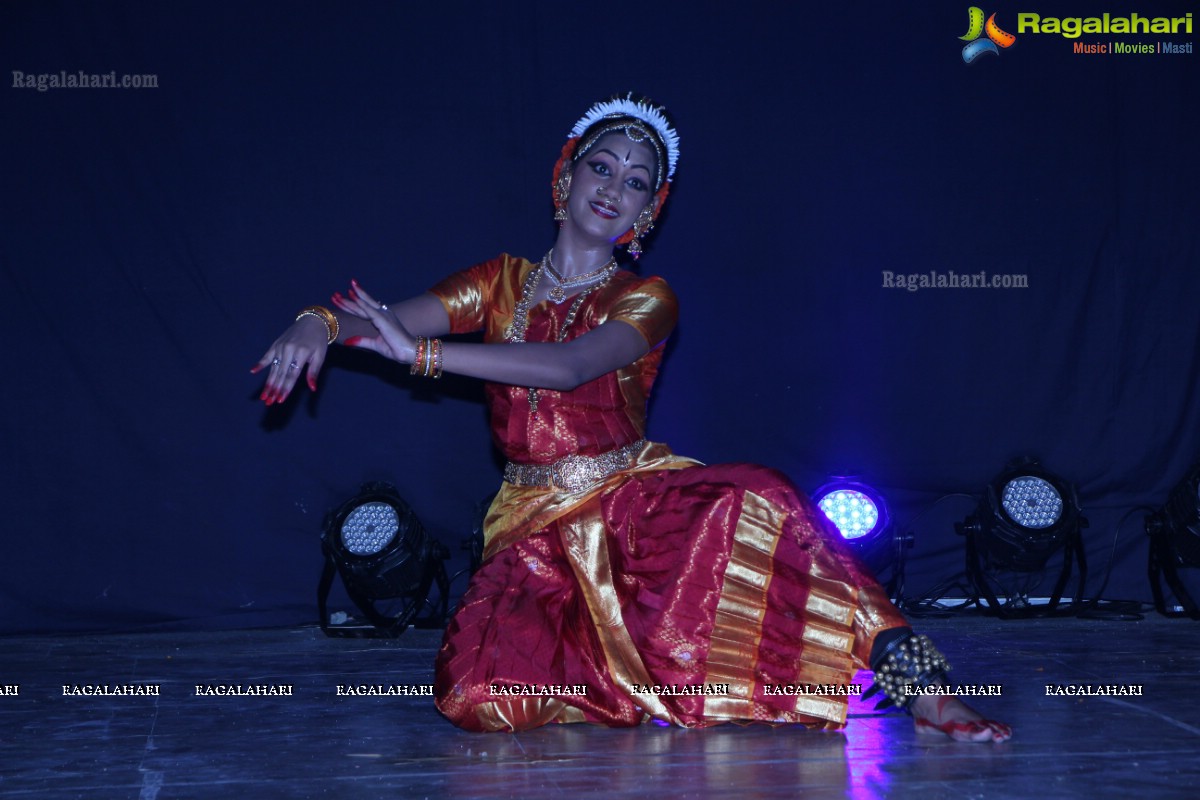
520,322
561,284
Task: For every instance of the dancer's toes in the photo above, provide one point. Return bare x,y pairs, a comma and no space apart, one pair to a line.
949,716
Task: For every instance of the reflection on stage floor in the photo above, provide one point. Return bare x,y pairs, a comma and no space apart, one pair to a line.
58,741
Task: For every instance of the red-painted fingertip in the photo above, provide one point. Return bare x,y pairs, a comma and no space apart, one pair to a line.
353,341
312,383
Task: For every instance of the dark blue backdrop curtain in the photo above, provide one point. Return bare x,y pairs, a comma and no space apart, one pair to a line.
155,241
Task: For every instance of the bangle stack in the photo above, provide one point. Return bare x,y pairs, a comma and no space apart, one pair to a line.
428,359
326,316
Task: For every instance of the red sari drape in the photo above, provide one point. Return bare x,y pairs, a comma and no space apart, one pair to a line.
670,590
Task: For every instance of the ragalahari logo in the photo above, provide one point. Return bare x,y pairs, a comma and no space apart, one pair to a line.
976,27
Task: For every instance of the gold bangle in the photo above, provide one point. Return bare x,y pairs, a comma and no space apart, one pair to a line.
437,358
326,316
418,356
427,358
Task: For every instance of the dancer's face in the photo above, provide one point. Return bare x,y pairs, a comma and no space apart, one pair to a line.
611,185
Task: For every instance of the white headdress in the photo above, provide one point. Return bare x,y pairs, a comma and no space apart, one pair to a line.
643,111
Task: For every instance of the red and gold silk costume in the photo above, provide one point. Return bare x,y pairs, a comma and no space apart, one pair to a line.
670,590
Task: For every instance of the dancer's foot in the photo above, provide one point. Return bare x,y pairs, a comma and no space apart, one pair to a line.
940,714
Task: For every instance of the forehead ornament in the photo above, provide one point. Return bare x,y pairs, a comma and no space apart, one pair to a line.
639,120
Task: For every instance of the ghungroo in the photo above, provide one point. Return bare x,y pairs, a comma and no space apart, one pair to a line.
911,661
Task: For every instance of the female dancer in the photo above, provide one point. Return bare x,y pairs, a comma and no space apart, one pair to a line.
622,582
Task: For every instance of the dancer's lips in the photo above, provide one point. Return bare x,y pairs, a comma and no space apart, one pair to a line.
603,210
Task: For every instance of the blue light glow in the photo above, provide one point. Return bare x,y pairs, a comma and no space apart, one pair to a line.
854,513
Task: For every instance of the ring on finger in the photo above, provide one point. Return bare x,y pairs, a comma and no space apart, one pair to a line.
293,365
275,362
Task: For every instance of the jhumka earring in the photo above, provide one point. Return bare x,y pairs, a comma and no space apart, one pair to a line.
562,190
643,225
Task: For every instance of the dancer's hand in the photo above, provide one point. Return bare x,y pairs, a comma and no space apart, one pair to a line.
393,341
303,345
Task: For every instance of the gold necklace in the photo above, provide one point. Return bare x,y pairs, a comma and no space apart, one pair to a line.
561,284
520,322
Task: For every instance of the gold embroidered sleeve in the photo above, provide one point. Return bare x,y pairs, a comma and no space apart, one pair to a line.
467,294
650,307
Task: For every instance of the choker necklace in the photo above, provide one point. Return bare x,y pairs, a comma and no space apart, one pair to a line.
558,294
520,321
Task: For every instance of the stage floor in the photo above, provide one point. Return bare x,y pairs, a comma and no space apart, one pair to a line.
56,741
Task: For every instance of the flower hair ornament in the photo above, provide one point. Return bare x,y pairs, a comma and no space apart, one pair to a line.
641,121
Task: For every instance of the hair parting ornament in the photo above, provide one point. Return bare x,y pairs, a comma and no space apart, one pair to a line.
640,121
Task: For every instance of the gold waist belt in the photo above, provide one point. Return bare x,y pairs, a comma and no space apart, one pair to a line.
573,473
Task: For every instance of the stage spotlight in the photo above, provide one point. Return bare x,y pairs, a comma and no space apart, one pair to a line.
379,547
1026,515
1174,533
861,517
857,510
